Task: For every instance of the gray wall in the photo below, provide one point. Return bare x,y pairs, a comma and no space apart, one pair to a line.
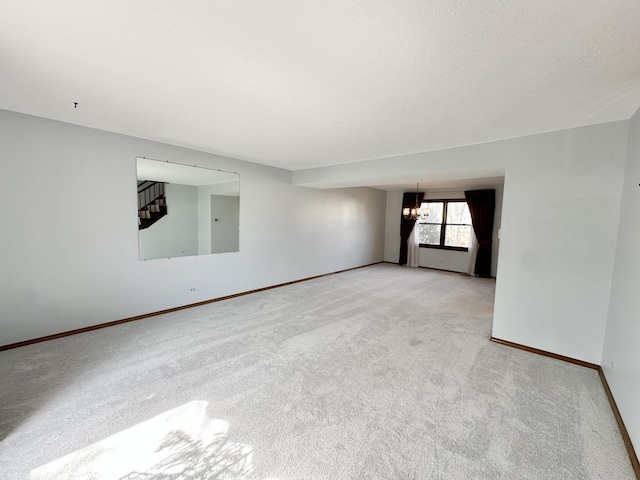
562,197
621,356
69,255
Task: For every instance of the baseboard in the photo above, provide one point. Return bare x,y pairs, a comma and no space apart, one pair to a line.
623,429
445,270
633,457
431,268
168,310
545,353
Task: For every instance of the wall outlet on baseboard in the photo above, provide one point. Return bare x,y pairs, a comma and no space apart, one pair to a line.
192,289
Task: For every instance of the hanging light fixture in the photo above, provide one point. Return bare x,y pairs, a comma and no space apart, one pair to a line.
412,213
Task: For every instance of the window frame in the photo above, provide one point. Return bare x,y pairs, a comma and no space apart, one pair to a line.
444,224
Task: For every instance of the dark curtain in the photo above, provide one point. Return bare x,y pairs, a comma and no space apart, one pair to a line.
482,205
408,201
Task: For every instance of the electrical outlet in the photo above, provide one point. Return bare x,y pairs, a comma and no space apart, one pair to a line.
192,289
613,365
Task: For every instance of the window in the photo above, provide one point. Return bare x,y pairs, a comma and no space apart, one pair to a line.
447,226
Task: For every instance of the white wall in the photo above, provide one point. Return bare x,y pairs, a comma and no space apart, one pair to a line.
622,339
176,233
562,196
64,267
451,260
392,227
559,226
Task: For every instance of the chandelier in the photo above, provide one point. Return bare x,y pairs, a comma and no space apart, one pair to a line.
412,213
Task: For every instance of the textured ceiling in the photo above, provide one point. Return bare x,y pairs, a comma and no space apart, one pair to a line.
299,84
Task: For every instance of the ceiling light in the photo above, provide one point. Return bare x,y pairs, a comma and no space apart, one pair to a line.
412,213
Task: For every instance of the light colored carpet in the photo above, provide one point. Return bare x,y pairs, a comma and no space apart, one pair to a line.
384,372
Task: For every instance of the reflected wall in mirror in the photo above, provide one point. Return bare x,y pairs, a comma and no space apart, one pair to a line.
186,210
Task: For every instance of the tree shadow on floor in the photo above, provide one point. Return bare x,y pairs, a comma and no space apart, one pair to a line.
188,458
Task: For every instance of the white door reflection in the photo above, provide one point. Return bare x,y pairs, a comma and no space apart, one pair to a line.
183,443
225,223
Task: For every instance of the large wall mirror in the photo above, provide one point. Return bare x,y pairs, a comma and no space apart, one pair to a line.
186,210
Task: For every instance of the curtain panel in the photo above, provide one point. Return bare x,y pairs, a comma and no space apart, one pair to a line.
406,226
482,205
413,246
